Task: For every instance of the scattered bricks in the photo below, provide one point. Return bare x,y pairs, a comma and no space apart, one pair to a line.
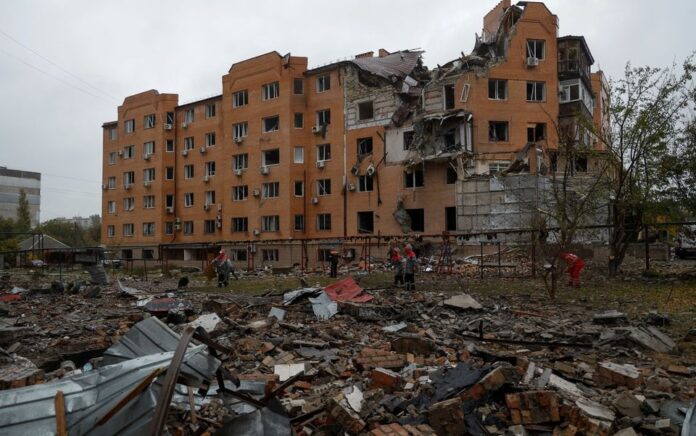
371,358
396,429
679,370
383,378
21,372
412,343
447,417
533,407
285,357
614,374
300,384
628,405
344,415
270,380
493,381
564,368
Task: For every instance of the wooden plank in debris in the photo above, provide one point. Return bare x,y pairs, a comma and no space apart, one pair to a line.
61,423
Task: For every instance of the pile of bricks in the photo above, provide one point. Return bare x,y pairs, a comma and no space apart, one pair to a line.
533,407
614,374
370,358
396,429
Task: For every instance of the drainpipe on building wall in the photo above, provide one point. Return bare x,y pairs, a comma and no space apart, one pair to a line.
345,156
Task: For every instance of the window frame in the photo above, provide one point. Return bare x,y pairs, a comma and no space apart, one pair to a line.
323,222
322,151
360,110
264,125
270,91
189,199
532,52
270,190
149,121
497,90
323,83
210,113
240,192
240,161
239,224
412,179
534,88
149,228
323,187
492,124
240,98
240,130
264,157
270,223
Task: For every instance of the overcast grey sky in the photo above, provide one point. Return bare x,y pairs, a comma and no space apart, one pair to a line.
51,122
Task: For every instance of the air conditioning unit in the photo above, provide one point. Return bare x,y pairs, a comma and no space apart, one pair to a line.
206,179
203,149
316,129
147,183
238,172
127,186
177,227
264,170
120,152
256,192
218,223
168,127
351,187
321,164
170,210
315,200
184,125
238,140
257,232
355,170
206,206
104,187
184,152
370,170
532,61
146,156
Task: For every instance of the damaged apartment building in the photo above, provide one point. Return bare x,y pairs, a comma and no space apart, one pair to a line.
378,145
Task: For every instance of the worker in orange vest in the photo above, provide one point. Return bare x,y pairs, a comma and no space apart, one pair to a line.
575,265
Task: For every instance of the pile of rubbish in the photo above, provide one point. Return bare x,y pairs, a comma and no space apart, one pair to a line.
135,359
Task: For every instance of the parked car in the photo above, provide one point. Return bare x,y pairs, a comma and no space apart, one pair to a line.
111,263
38,263
686,242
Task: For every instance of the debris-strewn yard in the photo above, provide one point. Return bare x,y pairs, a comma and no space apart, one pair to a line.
314,355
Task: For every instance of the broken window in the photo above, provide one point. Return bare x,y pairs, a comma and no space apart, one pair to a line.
240,161
270,91
170,118
365,110
581,164
169,173
271,190
209,197
324,187
169,147
364,146
365,183
149,121
210,168
188,171
497,89
299,120
324,221
209,226
240,98
497,167
210,139
451,176
299,223
299,188
298,86
271,124
189,143
240,193
417,219
323,117
169,200
240,224
366,222
498,131
270,255
465,92
536,91
448,94
148,253
298,155
413,179
210,110
536,48
240,130
536,132
188,199
323,83
129,152
270,223
271,157
128,203
323,152
129,126
148,229
408,139
451,219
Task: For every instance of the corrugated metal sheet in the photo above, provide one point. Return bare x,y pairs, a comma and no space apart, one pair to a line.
399,64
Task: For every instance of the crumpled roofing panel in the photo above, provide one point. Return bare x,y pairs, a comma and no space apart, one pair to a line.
399,64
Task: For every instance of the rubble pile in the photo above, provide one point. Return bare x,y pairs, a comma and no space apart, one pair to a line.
335,360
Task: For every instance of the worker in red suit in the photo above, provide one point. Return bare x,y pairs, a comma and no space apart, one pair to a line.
575,265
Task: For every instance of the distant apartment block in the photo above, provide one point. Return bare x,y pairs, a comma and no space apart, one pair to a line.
375,145
12,182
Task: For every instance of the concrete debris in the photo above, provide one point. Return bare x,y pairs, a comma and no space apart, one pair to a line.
336,360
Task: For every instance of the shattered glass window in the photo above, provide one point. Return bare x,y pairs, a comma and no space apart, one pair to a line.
365,183
364,146
365,110
536,48
536,91
366,222
497,89
324,187
271,124
271,157
271,90
413,179
323,152
323,117
408,139
448,93
498,131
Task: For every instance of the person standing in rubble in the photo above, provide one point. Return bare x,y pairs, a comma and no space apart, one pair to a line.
333,263
223,266
575,265
397,264
410,268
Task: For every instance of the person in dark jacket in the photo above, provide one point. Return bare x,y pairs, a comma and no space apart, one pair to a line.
222,265
333,263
